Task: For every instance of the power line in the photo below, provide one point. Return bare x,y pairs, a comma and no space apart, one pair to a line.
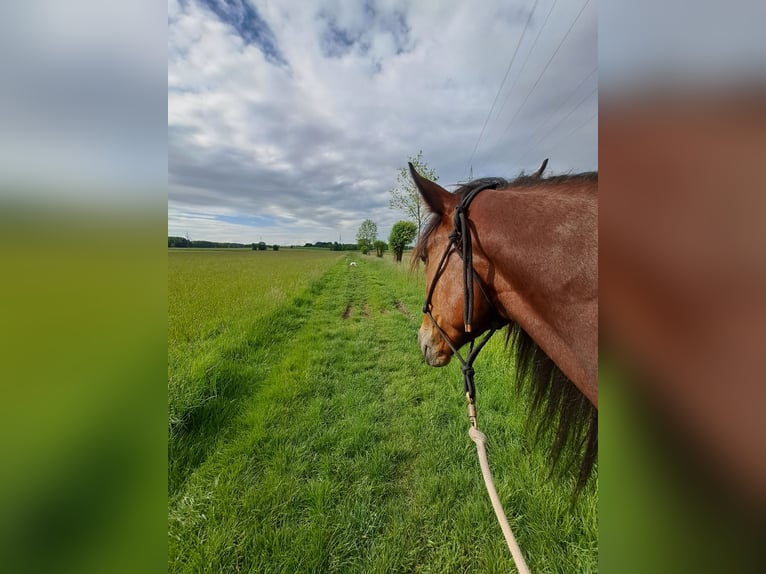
548,63
505,77
573,110
526,60
564,102
576,129
553,128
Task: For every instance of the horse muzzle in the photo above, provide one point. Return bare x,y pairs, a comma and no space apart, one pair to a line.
435,351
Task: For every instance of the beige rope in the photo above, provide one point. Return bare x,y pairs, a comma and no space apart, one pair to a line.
481,440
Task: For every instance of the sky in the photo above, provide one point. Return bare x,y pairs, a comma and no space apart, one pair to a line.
288,121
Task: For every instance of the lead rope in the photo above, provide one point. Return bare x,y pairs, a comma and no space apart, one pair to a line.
481,440
463,232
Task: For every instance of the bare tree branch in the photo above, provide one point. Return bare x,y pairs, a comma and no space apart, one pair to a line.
405,196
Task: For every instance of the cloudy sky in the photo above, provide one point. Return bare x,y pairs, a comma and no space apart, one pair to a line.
288,120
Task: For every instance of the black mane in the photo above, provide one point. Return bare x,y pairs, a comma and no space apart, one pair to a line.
559,411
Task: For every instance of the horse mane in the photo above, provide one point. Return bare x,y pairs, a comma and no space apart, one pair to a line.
525,180
419,250
558,410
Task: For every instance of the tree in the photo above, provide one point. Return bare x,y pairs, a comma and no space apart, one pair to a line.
380,247
178,242
402,233
366,235
405,196
275,247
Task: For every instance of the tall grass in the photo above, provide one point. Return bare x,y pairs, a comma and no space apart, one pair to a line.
346,453
227,311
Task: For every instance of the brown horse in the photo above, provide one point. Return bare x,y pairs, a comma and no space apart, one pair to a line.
534,248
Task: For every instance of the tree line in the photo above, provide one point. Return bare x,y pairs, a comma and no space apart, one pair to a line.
186,242
334,245
260,246
402,234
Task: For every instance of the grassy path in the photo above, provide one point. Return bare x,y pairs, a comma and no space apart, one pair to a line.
340,451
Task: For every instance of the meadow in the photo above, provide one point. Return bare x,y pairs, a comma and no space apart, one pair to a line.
306,434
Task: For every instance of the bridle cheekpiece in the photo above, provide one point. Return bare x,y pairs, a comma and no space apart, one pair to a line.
460,241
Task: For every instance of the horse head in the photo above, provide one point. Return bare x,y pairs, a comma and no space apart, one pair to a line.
444,280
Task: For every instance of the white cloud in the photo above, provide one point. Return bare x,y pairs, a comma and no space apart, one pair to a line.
317,142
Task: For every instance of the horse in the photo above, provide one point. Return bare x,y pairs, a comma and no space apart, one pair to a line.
532,266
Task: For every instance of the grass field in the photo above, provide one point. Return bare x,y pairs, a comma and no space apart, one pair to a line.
307,435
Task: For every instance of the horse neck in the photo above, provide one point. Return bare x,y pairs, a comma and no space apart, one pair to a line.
539,257
540,236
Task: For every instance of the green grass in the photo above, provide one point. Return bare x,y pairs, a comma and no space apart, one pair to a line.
228,311
317,440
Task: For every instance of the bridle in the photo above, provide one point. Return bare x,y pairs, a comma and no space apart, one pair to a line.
460,242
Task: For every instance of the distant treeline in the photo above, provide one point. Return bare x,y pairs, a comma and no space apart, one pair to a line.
183,242
334,246
260,246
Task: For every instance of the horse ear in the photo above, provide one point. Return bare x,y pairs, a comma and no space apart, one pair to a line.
436,197
539,173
